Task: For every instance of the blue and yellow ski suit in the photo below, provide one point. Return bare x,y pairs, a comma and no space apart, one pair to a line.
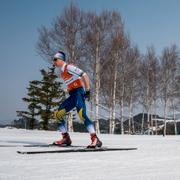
72,78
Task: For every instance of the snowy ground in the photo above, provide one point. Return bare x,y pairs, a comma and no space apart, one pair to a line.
157,158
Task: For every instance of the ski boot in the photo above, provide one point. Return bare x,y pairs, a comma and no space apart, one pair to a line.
65,141
95,142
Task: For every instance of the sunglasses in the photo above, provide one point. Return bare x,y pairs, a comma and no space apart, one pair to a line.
55,59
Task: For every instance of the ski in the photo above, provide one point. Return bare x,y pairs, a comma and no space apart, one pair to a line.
28,145
75,150
39,145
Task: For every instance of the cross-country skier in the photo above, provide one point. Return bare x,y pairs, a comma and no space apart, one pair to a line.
76,81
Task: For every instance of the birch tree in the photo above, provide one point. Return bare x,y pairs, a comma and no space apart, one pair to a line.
96,39
148,82
169,61
116,43
122,80
133,57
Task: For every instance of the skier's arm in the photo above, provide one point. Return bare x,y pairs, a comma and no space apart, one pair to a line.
85,79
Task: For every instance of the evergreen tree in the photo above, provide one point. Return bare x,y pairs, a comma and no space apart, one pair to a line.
32,100
43,97
50,95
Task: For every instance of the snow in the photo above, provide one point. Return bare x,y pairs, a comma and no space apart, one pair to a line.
157,158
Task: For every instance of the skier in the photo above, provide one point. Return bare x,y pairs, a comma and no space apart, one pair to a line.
76,80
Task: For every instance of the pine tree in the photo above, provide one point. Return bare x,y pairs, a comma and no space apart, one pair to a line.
43,97
50,95
32,100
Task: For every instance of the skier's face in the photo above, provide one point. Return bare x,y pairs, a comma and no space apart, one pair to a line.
58,62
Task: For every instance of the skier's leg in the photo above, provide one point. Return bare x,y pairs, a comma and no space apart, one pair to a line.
59,115
65,107
84,118
95,142
81,108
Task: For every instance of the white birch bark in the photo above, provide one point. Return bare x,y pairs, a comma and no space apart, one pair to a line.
122,110
97,87
174,117
70,122
155,118
131,107
130,116
165,117
133,128
113,116
114,103
110,120
142,123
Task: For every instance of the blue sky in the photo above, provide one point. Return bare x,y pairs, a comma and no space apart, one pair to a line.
149,22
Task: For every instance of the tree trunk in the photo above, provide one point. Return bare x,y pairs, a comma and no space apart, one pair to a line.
97,87
165,116
122,117
152,120
114,99
110,120
70,122
122,110
133,127
130,115
156,125
174,117
175,124
147,106
155,117
142,123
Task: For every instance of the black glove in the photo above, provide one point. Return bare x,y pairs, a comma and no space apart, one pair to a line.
87,95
